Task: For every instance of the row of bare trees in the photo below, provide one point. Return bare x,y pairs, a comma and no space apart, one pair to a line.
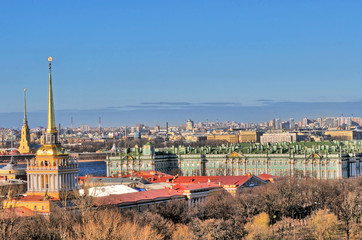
290,208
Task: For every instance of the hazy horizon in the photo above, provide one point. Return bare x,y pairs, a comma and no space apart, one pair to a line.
179,113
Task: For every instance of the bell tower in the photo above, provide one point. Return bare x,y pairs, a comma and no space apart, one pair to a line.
25,132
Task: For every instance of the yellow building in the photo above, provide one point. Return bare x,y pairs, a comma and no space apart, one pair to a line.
52,174
342,135
244,136
249,136
227,137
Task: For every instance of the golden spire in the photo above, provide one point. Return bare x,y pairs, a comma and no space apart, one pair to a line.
25,118
51,119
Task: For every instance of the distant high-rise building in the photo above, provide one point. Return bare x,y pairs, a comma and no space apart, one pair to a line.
330,122
320,121
291,123
139,127
277,123
189,125
305,122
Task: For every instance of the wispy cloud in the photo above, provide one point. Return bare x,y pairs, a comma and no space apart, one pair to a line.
265,100
166,103
221,103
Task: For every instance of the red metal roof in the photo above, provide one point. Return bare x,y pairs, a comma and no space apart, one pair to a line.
223,180
267,177
182,187
176,191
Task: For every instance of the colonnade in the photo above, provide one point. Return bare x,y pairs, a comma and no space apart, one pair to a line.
40,182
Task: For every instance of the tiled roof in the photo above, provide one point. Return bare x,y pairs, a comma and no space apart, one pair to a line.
18,211
32,198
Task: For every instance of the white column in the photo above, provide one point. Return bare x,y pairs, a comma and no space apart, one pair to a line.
69,182
35,184
30,179
31,182
73,181
28,184
39,183
53,182
61,176
63,180
50,182
44,182
33,176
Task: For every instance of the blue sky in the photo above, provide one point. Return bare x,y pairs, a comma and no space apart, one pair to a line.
123,59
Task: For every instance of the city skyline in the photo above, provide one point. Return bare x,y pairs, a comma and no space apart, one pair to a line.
116,118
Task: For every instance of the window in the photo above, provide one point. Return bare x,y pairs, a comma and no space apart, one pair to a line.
42,208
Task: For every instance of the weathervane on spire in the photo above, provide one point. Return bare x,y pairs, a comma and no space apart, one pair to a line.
50,59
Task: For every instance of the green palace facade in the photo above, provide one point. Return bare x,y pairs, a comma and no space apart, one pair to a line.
322,160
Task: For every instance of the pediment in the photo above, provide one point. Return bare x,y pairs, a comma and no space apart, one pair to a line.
235,155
